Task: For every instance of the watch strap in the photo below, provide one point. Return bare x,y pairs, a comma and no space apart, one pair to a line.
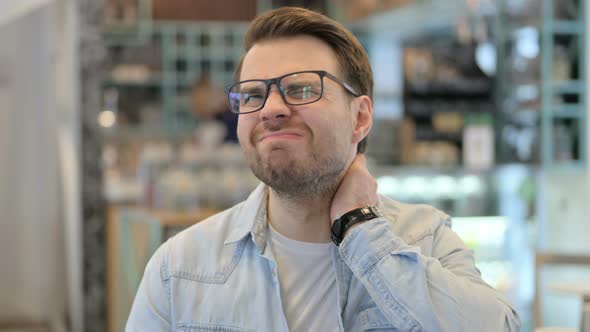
347,220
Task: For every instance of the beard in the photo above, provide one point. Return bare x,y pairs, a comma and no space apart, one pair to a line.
313,176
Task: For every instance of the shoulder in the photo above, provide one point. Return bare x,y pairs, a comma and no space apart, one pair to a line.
413,222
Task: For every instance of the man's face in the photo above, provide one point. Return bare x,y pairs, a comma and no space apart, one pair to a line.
297,150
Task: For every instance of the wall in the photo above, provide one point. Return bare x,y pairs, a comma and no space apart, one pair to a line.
40,238
32,277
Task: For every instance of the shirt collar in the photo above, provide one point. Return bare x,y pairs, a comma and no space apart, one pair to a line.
252,218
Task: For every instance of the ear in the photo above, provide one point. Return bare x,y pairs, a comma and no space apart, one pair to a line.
362,112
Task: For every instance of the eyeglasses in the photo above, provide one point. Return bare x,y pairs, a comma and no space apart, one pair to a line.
299,88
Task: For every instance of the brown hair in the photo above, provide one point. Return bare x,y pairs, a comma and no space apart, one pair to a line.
291,21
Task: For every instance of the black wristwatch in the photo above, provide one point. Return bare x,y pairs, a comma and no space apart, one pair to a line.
342,224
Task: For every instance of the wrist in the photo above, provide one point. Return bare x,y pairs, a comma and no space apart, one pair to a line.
347,208
342,226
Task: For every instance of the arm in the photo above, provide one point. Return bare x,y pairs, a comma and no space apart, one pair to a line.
441,293
419,293
151,306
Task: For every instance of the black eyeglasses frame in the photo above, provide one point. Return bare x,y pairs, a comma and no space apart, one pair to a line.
269,82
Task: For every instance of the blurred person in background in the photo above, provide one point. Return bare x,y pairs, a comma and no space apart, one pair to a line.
209,106
314,247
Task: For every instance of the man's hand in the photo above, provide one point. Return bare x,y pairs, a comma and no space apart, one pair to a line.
358,189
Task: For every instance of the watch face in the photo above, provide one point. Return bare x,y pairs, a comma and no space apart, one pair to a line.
335,232
335,239
337,227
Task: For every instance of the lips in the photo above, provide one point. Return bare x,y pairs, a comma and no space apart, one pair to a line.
281,134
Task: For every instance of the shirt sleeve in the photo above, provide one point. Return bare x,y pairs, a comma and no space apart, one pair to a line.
444,292
151,306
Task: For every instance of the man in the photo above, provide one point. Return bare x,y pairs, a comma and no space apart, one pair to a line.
314,248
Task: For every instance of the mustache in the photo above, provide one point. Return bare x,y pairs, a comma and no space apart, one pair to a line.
274,125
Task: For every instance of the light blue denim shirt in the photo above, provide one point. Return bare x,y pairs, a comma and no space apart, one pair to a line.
404,271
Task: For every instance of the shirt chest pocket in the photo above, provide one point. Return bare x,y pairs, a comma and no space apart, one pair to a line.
196,327
372,319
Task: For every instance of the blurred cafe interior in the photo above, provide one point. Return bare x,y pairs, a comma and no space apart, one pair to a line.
115,135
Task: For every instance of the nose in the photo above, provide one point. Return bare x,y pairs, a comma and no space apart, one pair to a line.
274,107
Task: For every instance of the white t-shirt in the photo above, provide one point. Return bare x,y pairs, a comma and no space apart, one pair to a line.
307,281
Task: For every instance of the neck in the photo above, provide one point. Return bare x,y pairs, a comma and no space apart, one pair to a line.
302,219
303,216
